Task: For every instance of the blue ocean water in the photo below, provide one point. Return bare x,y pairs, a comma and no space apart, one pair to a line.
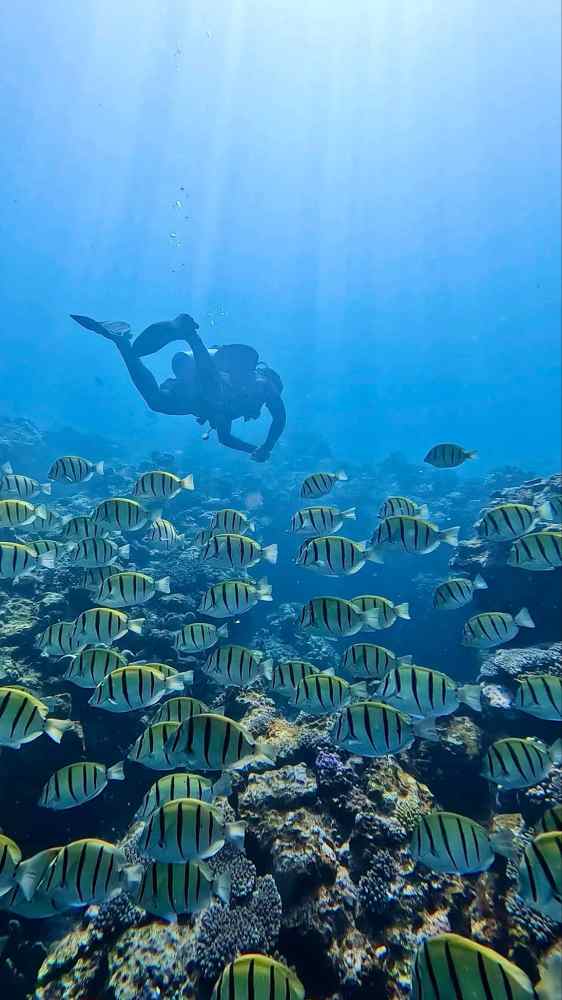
369,195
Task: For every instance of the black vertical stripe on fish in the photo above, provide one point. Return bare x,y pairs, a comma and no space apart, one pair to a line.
528,757
179,827
431,971
95,874
482,972
545,867
225,743
462,839
80,869
453,972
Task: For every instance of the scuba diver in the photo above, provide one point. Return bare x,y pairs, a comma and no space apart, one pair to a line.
216,386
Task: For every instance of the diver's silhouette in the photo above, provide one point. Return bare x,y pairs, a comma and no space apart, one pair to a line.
216,386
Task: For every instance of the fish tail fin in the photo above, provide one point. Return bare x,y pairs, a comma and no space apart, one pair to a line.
359,690
163,585
372,553
124,551
56,728
235,833
402,611
479,583
404,661
270,553
266,667
116,772
504,843
423,511
41,511
469,694
351,513
223,631
342,476
187,483
132,876
47,560
222,886
223,786
426,729
7,469
545,511
264,589
548,986
177,682
450,536
48,487
99,467
29,873
471,455
524,619
265,751
136,625
556,751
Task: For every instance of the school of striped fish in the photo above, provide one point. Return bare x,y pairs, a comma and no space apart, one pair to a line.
381,703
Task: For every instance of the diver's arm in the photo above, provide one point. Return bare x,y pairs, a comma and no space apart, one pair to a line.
230,441
276,407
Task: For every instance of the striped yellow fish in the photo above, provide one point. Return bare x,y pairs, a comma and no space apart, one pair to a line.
129,587
73,469
371,662
75,784
447,842
334,616
169,890
492,628
258,977
320,483
136,686
18,513
507,521
237,666
123,514
81,527
402,505
159,485
541,551
539,695
91,665
426,693
323,693
182,786
386,611
231,521
211,742
188,830
237,551
450,967
287,675
448,456
59,639
10,857
197,636
104,625
24,718
17,560
150,748
234,597
456,592
372,729
321,519
335,555
412,534
83,872
179,709
96,552
520,763
540,875
164,533
24,487
40,546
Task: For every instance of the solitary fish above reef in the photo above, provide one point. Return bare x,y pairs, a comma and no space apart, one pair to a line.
320,519
492,628
320,483
539,695
159,485
446,842
541,551
520,762
456,592
447,456
169,890
73,469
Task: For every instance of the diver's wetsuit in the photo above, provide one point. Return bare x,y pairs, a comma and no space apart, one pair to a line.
222,390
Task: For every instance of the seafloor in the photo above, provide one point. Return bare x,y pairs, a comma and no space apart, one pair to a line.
327,883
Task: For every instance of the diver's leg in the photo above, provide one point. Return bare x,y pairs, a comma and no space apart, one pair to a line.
142,378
